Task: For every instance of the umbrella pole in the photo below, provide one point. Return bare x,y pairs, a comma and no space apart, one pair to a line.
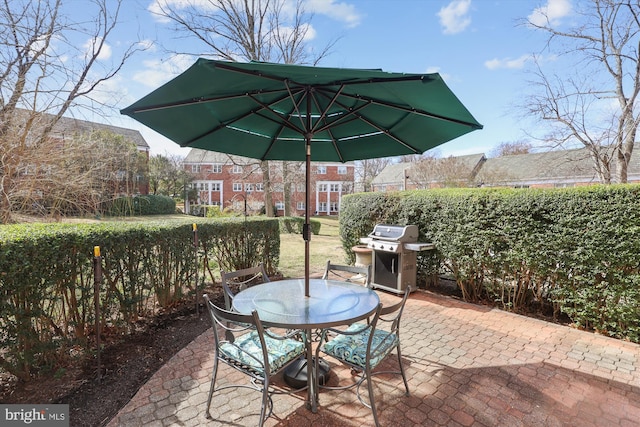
306,229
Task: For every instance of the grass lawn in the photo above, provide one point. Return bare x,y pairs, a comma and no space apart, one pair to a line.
324,246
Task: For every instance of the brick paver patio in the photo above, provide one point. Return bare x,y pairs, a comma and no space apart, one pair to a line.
467,365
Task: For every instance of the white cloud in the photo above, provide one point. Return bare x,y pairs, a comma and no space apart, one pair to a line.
455,16
432,69
508,63
519,62
340,11
551,13
158,72
309,32
91,45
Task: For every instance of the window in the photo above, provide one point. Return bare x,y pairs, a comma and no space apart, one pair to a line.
342,170
202,186
334,188
237,186
216,168
322,170
236,169
259,186
334,206
322,207
300,188
248,188
278,188
300,206
322,188
280,206
195,168
215,186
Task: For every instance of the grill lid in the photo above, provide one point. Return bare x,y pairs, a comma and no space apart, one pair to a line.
395,233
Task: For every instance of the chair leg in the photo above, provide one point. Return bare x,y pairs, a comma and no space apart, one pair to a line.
265,400
212,386
371,401
404,378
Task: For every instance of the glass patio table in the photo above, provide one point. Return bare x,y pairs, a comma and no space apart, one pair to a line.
282,304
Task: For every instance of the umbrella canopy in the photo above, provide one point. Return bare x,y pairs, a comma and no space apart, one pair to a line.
289,112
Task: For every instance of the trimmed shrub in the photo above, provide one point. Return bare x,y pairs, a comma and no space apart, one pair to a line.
151,204
573,250
46,278
294,224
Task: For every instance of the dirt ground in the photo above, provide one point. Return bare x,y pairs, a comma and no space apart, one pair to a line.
125,366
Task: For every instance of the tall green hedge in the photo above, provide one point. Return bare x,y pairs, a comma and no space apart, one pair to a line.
46,277
150,204
575,250
294,225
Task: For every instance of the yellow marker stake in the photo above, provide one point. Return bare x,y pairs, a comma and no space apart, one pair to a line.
195,227
96,251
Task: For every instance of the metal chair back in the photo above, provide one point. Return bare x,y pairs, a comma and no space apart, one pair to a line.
236,281
347,273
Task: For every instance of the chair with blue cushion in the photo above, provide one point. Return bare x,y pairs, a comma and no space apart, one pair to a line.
240,280
242,343
364,346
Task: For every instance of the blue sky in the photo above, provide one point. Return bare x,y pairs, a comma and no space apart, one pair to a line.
480,47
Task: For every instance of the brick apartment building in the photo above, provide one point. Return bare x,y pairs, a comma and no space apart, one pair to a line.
68,127
230,181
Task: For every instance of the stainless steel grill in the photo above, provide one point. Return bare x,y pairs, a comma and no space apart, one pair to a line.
394,256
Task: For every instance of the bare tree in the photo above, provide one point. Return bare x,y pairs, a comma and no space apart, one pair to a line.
260,30
77,175
43,69
432,171
511,149
167,175
368,169
604,49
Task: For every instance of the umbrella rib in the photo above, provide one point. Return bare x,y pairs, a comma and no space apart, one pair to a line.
323,114
415,111
247,114
296,103
328,126
389,134
363,81
283,120
349,116
199,100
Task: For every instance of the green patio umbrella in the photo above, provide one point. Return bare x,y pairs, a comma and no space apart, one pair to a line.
272,111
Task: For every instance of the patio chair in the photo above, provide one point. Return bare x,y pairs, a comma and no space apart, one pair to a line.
240,280
347,273
364,346
242,343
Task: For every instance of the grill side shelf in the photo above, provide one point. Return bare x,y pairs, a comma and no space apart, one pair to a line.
419,246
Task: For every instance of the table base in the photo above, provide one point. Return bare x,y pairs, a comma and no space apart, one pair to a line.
296,374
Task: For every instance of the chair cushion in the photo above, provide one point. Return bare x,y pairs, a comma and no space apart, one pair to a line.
280,352
353,348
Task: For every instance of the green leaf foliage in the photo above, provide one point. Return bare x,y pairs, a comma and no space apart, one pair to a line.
571,250
47,277
294,224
